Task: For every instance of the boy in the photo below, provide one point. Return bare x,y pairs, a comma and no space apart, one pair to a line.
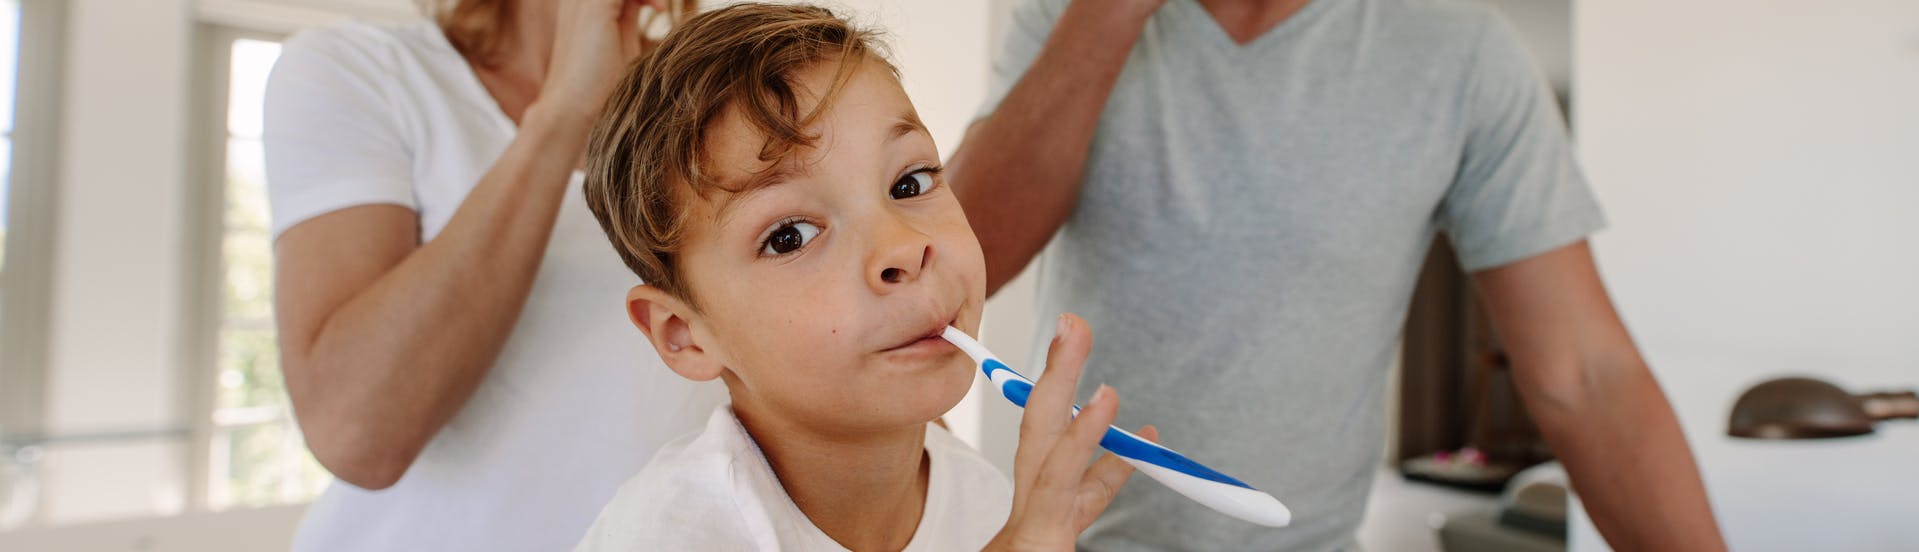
766,176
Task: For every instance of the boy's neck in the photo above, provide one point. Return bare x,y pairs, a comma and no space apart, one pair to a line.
866,491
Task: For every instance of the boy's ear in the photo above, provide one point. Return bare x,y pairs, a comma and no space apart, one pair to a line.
668,324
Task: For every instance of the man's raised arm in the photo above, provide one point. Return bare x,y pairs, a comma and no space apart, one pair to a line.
1018,171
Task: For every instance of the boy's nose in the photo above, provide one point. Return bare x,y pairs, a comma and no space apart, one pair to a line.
899,257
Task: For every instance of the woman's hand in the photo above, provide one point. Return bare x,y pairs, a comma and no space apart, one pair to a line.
593,43
1056,494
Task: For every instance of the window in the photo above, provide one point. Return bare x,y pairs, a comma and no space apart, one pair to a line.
13,466
9,68
257,456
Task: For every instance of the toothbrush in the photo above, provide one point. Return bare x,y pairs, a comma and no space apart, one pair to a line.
1202,484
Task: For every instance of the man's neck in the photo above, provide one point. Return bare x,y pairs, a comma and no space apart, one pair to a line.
866,491
1247,20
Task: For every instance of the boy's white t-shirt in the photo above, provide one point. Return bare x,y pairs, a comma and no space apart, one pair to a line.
360,114
715,491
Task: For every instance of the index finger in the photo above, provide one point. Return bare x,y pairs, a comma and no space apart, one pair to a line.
1050,406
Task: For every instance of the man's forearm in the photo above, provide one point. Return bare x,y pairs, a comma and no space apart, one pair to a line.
1018,172
1628,460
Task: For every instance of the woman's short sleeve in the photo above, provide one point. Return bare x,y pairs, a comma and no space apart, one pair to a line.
332,133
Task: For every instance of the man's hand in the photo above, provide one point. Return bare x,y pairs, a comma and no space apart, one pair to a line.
1055,492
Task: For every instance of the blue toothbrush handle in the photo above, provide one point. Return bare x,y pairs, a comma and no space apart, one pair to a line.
1016,387
1192,479
1179,473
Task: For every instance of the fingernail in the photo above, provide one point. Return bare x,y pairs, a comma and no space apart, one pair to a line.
1103,393
1059,328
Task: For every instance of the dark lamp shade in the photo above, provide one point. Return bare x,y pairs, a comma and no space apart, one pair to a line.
1806,408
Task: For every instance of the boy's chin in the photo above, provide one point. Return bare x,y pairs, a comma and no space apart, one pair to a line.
949,392
925,395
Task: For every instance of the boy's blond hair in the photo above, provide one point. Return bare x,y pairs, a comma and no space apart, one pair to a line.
646,151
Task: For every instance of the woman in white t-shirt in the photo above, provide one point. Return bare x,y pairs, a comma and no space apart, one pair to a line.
447,307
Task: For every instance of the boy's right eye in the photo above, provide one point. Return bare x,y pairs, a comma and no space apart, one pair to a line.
788,237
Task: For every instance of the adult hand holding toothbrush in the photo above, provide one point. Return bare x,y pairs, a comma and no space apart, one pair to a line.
1056,493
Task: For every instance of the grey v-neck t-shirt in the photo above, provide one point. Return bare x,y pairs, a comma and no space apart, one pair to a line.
1251,223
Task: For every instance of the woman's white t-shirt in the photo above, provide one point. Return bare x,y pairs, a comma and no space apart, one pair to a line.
360,114
716,491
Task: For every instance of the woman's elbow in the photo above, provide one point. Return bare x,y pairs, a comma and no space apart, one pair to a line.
356,448
350,448
358,461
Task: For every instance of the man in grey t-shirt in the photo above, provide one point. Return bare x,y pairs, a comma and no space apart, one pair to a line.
1242,193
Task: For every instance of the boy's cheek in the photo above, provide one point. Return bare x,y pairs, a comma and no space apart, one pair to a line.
972,262
956,234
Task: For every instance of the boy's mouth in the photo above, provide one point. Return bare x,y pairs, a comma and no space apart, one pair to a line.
929,338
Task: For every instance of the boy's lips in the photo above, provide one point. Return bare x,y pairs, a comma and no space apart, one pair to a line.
931,336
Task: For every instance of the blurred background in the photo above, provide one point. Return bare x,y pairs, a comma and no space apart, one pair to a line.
1758,160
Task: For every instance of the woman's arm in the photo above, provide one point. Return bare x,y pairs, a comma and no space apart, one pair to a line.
382,338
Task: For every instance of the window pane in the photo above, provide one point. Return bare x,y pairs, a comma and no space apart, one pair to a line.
9,65
6,175
257,456
249,370
259,469
247,250
9,60
252,60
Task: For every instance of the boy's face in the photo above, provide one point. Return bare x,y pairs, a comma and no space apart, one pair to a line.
822,294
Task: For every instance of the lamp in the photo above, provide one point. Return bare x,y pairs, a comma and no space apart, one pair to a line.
1806,408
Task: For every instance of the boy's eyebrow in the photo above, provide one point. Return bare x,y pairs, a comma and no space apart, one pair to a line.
906,123
772,176
768,178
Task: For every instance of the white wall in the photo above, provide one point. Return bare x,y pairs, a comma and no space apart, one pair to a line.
254,530
117,270
1759,161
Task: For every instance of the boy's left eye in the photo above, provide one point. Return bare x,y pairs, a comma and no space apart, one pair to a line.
919,182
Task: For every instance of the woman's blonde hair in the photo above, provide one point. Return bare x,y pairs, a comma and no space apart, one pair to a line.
479,28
